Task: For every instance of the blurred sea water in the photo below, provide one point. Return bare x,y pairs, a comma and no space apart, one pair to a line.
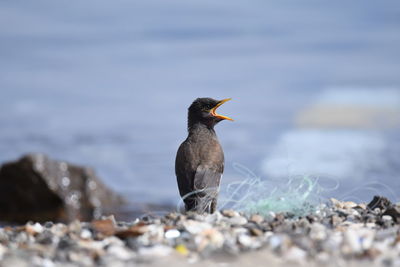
315,88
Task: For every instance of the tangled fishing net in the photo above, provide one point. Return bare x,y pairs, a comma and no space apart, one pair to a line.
296,195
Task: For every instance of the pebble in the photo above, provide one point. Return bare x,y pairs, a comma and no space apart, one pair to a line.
209,238
387,218
213,218
318,232
256,232
105,227
172,233
230,213
349,205
275,241
238,220
120,252
256,218
245,240
34,229
86,234
195,227
295,254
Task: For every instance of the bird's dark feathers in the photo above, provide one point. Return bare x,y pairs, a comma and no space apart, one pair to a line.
200,160
199,167
199,112
202,104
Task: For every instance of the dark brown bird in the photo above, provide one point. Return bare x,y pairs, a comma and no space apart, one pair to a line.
199,161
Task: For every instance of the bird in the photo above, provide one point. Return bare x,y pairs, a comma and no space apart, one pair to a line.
199,162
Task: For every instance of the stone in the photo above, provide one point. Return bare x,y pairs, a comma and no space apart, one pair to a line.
105,227
352,242
230,213
172,233
213,218
59,229
75,227
41,189
181,249
48,224
256,218
335,220
393,212
369,218
133,231
245,240
276,241
318,232
361,206
209,238
238,220
349,205
86,234
336,203
387,218
46,238
120,252
256,232
379,202
303,223
34,229
81,258
195,227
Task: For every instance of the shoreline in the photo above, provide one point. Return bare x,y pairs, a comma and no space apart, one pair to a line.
341,233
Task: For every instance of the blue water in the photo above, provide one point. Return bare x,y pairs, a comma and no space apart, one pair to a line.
108,83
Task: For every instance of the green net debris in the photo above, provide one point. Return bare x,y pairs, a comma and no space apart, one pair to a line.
296,195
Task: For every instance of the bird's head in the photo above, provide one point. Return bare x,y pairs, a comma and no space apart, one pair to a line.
204,110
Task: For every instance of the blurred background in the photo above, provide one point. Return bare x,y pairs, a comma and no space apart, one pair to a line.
315,88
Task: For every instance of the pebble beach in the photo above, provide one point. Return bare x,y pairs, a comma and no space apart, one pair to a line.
336,234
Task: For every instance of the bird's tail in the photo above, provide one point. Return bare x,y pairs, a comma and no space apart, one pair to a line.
201,201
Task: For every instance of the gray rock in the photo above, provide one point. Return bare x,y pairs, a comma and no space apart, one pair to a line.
172,233
41,189
318,232
387,218
230,213
256,218
393,212
238,220
379,202
120,252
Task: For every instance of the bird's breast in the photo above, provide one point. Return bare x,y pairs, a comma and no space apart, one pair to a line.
207,153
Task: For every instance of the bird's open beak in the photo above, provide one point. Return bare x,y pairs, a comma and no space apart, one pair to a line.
213,111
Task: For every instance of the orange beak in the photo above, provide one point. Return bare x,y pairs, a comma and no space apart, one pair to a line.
213,111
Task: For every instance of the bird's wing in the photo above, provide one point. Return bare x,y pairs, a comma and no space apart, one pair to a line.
184,169
206,179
